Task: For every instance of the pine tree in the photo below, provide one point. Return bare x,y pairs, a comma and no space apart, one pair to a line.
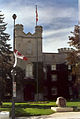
4,38
5,58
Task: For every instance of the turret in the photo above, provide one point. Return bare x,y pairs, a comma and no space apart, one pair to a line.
18,29
38,31
65,50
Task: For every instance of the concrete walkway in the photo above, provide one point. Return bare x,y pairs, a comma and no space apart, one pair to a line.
61,115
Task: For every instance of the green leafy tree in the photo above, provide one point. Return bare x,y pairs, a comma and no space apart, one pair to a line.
74,56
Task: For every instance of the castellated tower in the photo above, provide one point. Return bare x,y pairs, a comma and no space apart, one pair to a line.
28,44
38,31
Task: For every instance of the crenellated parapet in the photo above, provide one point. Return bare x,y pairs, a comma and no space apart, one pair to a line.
19,31
65,50
19,27
38,31
29,43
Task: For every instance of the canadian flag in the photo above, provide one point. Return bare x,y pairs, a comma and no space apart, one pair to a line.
17,54
36,15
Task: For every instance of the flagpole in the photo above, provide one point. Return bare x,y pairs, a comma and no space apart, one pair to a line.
13,74
37,58
36,15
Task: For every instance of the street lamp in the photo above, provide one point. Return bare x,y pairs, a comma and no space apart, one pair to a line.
13,74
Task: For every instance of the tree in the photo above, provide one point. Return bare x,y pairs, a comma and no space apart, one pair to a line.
19,76
5,48
5,55
74,56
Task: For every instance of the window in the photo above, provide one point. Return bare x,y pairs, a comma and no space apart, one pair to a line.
69,77
70,91
29,70
69,67
54,91
54,77
53,67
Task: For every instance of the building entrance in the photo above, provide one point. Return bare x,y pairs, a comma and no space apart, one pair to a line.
29,92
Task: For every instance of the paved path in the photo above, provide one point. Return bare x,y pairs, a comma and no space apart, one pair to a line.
65,115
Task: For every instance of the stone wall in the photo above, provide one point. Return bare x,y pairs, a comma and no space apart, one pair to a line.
27,44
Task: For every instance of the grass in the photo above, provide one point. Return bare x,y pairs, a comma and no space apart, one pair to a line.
71,104
32,112
34,108
30,108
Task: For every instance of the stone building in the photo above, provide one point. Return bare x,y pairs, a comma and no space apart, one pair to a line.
47,75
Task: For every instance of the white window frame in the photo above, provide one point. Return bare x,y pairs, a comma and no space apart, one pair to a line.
53,67
29,70
54,77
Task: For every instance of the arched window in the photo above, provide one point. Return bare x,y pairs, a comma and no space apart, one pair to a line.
29,70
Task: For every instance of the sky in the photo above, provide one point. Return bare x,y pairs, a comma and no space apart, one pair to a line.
58,18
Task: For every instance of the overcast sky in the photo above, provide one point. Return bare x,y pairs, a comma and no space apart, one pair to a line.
57,17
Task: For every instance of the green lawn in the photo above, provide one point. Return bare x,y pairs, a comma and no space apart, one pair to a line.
71,104
34,108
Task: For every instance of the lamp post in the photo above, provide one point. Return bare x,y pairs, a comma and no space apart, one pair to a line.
13,74
14,18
